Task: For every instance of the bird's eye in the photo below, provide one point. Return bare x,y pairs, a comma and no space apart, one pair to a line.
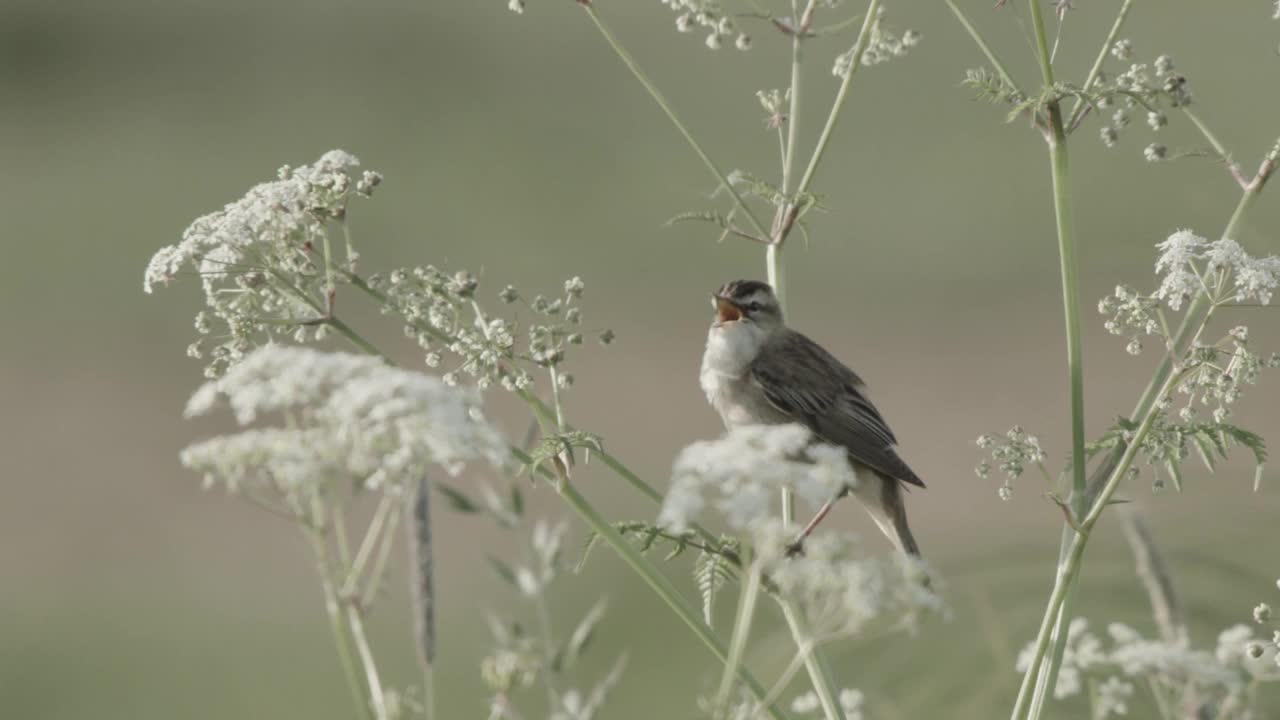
754,306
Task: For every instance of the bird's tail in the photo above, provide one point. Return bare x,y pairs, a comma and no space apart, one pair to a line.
882,497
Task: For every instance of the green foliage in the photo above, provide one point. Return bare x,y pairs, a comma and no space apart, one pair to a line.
457,499
710,573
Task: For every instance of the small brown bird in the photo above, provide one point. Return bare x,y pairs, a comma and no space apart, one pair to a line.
758,371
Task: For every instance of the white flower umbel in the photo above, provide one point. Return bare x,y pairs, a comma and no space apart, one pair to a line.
289,210
1193,265
851,701
262,259
1241,657
345,416
740,474
1083,652
838,587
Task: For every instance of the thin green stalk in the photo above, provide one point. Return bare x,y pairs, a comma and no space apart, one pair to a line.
1214,142
350,334
652,577
379,569
1162,703
376,695
429,692
1070,567
363,553
982,45
833,117
815,662
333,609
1048,680
1077,112
549,652
330,288
738,639
1032,695
1042,44
625,473
658,97
793,111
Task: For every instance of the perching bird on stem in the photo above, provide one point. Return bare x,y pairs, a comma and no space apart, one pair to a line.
757,371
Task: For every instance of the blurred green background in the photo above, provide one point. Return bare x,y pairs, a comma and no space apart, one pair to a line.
519,147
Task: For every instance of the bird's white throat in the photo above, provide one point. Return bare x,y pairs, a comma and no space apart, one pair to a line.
731,347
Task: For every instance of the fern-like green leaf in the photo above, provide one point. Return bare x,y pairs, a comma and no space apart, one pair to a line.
710,572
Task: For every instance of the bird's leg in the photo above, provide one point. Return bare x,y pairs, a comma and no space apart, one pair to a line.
797,546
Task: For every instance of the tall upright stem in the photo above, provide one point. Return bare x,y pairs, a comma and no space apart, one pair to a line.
1055,622
741,631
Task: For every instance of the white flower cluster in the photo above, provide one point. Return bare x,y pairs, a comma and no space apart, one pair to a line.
1131,313
1012,453
1238,659
346,417
883,45
740,474
441,314
257,260
1140,88
710,17
288,211
1193,265
837,587
851,701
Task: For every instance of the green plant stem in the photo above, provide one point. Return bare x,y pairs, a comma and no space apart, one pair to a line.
367,544
549,653
833,117
1162,383
333,609
1081,107
652,577
380,561
1070,566
658,97
738,639
365,653
1032,695
815,662
983,45
1042,44
429,691
1208,134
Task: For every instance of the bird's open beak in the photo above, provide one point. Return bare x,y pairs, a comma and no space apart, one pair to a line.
726,310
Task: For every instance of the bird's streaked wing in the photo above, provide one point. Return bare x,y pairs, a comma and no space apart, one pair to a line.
808,384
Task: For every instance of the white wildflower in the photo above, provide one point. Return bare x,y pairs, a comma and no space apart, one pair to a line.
1175,260
1257,278
349,416
1083,651
851,703
806,703
839,589
1262,613
1113,698
740,474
